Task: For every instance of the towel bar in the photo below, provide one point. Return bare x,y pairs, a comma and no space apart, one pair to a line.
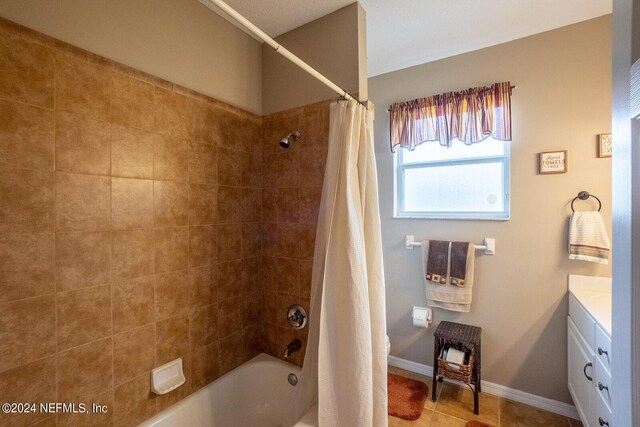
489,246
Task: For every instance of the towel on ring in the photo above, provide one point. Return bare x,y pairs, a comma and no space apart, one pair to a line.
588,240
449,297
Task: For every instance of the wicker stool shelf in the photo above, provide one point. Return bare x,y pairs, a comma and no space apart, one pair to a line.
465,338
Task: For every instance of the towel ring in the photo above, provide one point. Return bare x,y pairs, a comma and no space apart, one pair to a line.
584,195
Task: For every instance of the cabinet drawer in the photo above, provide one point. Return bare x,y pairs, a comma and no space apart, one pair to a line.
602,382
603,414
583,321
603,347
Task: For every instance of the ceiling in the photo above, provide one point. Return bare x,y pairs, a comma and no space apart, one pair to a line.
403,33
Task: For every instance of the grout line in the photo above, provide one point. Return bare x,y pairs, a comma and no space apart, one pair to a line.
35,296
67,291
55,231
155,275
27,104
111,287
87,343
189,267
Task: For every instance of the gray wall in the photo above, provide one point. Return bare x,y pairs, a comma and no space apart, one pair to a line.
178,40
334,45
562,101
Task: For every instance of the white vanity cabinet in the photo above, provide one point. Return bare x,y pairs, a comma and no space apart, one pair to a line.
589,365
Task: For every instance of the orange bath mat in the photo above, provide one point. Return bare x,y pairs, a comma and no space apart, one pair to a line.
477,424
406,397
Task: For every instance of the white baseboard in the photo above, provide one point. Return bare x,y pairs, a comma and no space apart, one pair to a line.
540,402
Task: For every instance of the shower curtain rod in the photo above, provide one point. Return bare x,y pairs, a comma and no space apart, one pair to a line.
279,48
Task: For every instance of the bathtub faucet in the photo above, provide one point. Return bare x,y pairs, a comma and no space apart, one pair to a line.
292,347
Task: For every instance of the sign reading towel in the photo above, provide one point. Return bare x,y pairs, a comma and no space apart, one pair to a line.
448,272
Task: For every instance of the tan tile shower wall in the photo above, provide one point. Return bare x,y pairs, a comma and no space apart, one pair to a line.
292,188
130,232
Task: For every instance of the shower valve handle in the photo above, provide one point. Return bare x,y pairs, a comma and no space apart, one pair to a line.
296,317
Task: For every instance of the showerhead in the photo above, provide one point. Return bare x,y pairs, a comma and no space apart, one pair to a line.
284,142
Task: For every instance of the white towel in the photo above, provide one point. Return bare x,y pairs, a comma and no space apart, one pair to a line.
449,297
588,240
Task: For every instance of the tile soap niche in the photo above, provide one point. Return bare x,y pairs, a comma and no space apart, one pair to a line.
167,377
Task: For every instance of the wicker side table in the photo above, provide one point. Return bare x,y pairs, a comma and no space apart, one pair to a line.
462,335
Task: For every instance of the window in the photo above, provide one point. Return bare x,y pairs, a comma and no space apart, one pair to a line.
459,182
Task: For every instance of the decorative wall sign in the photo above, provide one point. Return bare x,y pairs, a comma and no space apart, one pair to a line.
553,162
604,145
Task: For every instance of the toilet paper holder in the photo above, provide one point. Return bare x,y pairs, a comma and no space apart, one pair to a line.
421,316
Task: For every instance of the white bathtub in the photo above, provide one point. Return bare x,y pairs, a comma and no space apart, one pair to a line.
256,394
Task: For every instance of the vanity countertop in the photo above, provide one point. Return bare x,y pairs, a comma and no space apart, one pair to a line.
594,293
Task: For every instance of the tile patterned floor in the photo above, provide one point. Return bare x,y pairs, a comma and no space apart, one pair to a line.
454,407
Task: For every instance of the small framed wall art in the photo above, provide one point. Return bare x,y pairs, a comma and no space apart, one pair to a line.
553,162
604,145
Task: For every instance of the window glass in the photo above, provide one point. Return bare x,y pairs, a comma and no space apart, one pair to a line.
431,151
460,182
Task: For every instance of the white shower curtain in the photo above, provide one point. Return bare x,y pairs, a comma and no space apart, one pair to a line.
345,367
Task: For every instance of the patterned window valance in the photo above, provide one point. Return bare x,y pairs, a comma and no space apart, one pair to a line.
470,115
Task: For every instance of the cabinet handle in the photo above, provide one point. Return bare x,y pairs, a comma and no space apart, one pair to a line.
602,387
601,351
584,370
603,422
